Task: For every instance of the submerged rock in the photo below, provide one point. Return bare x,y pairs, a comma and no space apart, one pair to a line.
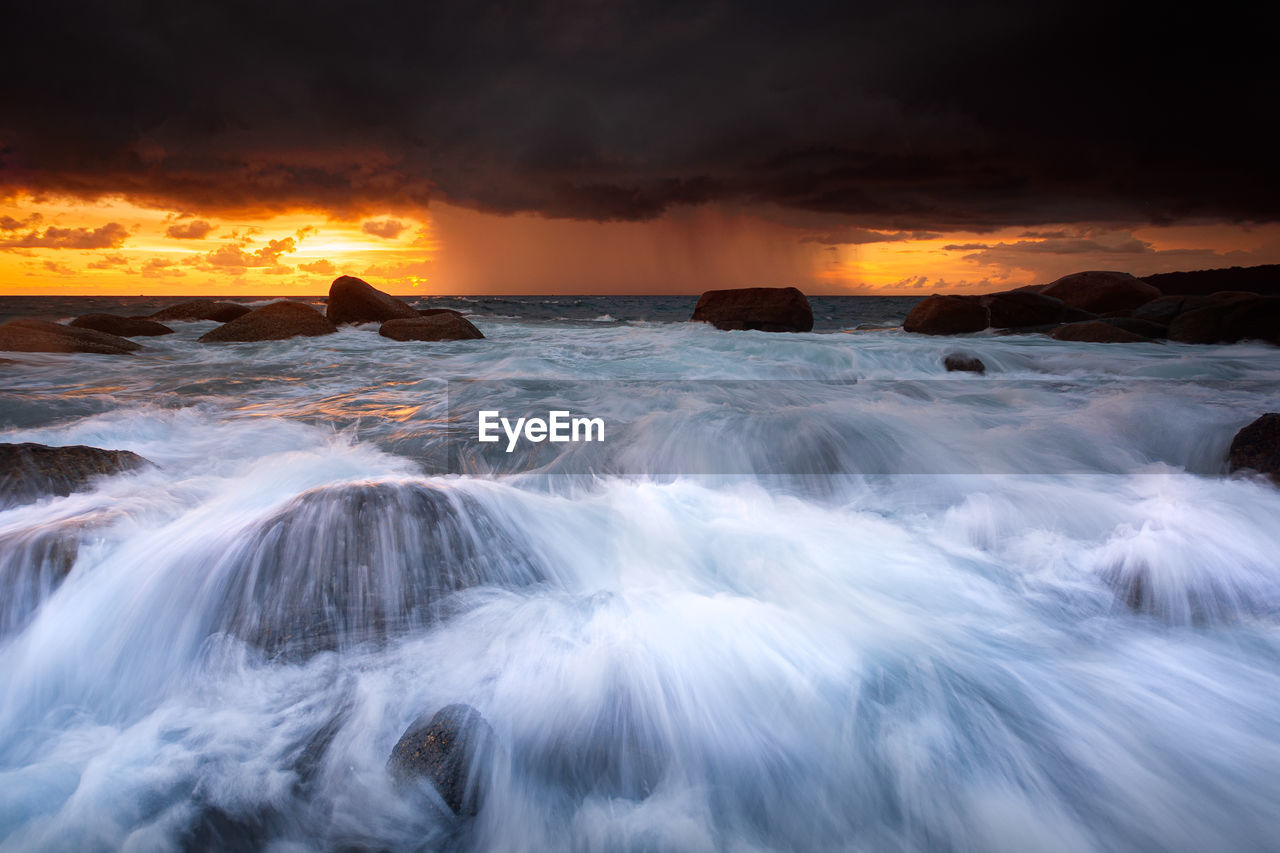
963,362
201,309
1229,320
761,309
125,327
361,562
1256,447
453,750
353,300
27,335
33,563
437,327
32,471
1098,332
1101,291
275,322
947,315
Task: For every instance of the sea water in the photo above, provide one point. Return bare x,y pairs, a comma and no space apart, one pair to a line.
821,594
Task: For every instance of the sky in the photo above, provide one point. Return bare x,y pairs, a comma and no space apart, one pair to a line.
617,147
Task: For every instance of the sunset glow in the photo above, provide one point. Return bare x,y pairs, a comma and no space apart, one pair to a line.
115,247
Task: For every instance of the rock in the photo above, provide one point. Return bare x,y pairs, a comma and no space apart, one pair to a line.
26,335
762,309
1166,308
947,315
1229,321
359,563
1256,447
1021,308
125,327
454,750
1162,309
1263,280
437,327
963,362
1146,328
353,300
1100,291
274,322
201,309
1098,332
32,471
433,312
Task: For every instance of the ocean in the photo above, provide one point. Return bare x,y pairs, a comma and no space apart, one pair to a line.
810,591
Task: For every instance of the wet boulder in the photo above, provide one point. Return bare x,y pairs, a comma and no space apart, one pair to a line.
27,335
1098,332
353,300
1229,321
201,309
963,362
1164,309
1146,328
947,315
454,750
275,322
358,563
29,472
1101,291
437,327
1019,309
1256,447
434,312
125,327
762,309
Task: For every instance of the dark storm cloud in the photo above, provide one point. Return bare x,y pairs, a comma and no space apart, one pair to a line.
901,116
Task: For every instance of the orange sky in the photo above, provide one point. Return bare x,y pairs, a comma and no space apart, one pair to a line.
113,247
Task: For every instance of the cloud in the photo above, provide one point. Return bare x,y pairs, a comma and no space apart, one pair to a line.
161,268
197,230
8,223
854,235
109,236
388,229
320,267
913,115
58,269
232,256
107,262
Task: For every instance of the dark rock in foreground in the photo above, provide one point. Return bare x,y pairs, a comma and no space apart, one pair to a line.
1022,308
125,327
356,563
353,300
1256,447
761,309
1145,328
32,471
26,335
963,362
1098,332
437,327
201,309
454,750
1260,280
947,315
1229,321
275,322
1101,291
